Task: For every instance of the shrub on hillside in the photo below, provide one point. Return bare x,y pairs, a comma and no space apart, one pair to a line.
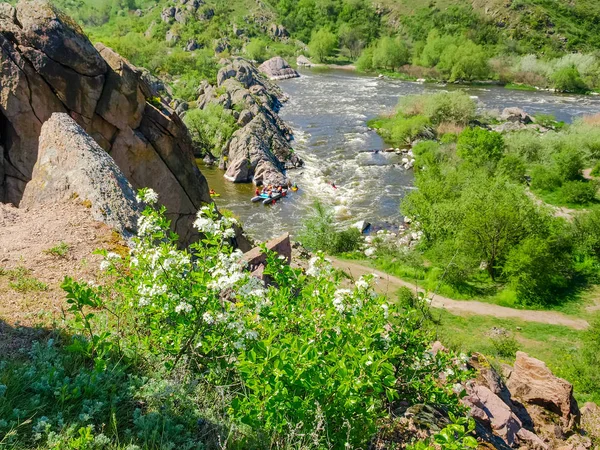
545,178
579,192
301,357
211,127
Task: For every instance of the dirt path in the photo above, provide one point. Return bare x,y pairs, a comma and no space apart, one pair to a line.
389,284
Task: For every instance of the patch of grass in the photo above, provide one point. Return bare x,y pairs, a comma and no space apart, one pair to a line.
60,250
20,280
558,346
519,87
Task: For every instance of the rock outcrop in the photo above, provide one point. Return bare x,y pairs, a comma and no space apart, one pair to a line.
48,65
532,409
260,150
277,68
303,61
71,165
532,383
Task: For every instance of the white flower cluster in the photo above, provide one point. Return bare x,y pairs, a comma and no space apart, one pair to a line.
107,261
147,225
319,266
227,272
206,224
147,196
340,299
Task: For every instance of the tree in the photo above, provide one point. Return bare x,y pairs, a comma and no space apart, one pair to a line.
365,61
351,38
480,146
257,49
390,53
497,216
464,61
322,44
538,269
568,79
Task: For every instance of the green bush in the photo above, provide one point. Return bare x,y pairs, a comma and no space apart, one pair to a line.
539,269
256,49
210,127
301,357
454,107
596,170
568,79
405,130
512,167
568,163
544,178
480,146
321,233
579,192
505,344
365,61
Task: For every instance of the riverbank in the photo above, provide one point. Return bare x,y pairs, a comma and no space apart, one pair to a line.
328,112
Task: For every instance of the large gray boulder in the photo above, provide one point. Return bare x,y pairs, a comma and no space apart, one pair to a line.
71,165
277,68
48,65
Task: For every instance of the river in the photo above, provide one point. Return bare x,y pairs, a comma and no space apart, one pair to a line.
328,111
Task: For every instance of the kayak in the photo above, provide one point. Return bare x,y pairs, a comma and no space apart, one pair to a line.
294,189
215,195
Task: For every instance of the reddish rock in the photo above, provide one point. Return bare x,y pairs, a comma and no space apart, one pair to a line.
533,383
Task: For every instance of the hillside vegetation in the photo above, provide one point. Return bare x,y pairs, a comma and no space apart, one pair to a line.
533,42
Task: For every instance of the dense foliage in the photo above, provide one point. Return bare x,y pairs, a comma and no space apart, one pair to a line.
476,203
304,362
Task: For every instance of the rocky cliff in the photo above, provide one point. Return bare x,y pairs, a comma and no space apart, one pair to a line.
260,151
48,65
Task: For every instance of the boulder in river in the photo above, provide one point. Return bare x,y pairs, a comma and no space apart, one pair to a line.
277,68
303,61
517,115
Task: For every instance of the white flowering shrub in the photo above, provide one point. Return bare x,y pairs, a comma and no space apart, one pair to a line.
305,353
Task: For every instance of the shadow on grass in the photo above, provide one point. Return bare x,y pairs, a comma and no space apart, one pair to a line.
46,385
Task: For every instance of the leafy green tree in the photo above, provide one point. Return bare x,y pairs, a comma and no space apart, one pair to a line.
322,44
365,61
211,127
539,269
568,79
480,146
497,215
390,53
352,39
466,61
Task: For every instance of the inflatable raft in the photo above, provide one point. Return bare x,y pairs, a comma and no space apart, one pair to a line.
265,199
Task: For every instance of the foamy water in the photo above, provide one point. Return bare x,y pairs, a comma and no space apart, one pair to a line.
328,112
